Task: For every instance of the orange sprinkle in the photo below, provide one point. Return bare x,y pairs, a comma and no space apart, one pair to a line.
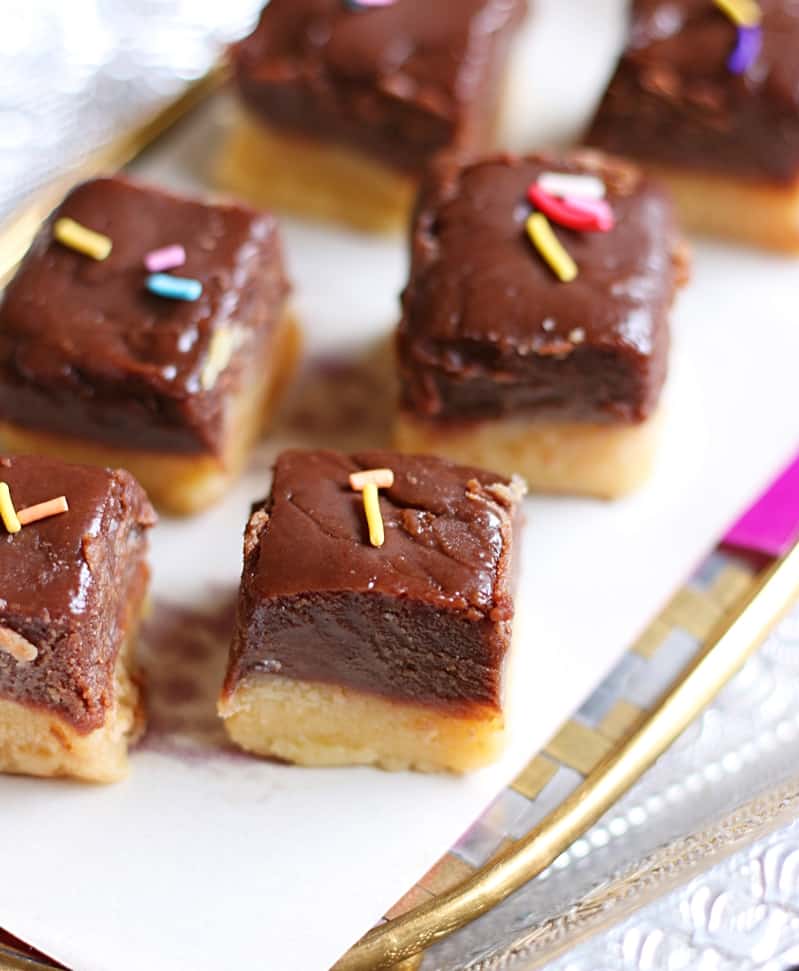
382,478
43,510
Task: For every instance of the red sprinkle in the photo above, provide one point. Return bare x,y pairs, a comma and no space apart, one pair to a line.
596,218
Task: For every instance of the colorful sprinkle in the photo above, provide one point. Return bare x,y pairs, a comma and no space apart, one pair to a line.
568,186
368,481
174,287
600,208
746,50
7,511
43,510
19,647
374,520
585,215
743,13
166,258
77,237
382,478
548,245
367,4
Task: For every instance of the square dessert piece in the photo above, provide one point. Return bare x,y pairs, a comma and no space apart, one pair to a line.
74,585
345,101
392,655
712,106
506,364
100,364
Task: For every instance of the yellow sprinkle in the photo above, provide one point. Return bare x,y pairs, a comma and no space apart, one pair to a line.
7,511
77,237
371,506
744,13
548,245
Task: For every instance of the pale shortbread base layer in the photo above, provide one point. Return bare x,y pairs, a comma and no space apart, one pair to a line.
311,723
575,458
36,742
177,483
314,179
761,214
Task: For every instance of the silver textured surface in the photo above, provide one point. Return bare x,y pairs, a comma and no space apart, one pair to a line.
74,73
743,913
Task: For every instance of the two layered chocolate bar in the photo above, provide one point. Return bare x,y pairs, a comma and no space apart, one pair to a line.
395,655
345,102
542,355
73,591
706,96
169,374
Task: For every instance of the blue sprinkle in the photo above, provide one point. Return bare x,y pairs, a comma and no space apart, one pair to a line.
174,287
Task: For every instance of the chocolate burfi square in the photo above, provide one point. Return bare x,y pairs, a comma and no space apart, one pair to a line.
96,367
713,107
504,365
349,101
74,586
396,656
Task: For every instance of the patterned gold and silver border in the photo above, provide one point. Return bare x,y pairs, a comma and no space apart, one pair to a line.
605,758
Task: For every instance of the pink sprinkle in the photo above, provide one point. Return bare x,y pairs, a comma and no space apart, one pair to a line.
597,207
166,258
594,217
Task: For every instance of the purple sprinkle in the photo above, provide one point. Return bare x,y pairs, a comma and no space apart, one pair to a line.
747,48
367,4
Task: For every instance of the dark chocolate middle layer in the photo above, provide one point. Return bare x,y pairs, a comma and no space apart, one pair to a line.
673,100
426,618
488,331
399,82
72,585
86,351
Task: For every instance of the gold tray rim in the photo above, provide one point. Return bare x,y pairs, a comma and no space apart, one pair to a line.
729,645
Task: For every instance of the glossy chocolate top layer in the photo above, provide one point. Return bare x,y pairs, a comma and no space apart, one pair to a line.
71,584
87,350
319,602
673,99
400,81
442,545
488,330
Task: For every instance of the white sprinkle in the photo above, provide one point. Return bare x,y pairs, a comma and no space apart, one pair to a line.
548,325
564,185
577,336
